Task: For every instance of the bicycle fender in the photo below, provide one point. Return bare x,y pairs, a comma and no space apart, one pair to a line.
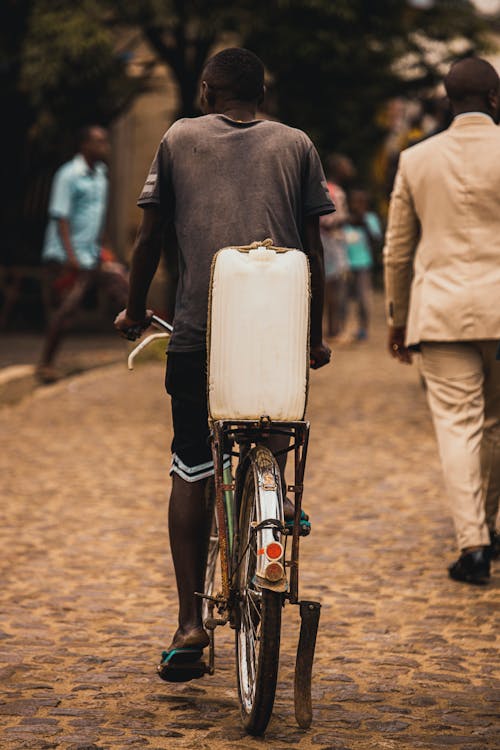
270,519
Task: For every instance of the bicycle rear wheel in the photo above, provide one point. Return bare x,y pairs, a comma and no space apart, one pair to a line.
259,609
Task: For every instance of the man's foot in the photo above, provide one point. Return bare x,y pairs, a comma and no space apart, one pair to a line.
471,567
289,515
47,374
494,547
343,339
181,662
195,638
181,665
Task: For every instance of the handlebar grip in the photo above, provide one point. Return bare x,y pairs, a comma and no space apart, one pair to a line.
135,332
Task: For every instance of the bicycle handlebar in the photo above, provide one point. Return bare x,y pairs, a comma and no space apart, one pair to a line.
158,323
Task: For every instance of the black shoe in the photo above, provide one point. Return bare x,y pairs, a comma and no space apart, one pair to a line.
493,550
471,567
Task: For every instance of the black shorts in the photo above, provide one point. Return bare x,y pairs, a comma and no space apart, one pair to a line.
186,382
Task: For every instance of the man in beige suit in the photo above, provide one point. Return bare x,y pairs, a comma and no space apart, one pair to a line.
442,274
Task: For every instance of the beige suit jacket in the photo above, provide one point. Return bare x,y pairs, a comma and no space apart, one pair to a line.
442,249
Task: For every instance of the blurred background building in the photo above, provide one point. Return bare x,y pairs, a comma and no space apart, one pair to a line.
362,78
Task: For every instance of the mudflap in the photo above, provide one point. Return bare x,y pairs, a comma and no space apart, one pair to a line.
309,616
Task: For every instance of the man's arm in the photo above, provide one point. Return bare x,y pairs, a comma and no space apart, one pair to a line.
60,209
320,353
400,242
145,259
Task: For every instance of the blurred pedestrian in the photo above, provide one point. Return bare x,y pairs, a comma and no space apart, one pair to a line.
73,240
363,236
341,172
444,229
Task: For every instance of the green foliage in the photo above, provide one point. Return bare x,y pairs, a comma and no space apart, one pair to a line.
71,71
181,33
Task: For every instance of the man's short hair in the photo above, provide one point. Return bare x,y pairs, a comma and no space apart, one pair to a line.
236,72
84,133
470,78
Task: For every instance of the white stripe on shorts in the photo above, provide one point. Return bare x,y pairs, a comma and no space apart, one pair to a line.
195,473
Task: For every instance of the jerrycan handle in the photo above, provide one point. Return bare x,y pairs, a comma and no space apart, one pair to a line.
258,243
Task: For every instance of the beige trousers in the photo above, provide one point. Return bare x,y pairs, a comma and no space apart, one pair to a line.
463,391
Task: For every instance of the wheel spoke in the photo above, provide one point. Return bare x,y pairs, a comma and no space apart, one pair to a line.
256,609
251,620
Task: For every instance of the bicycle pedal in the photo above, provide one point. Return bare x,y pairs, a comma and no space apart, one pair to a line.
213,622
303,531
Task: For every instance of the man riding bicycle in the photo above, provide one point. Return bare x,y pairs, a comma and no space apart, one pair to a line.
225,178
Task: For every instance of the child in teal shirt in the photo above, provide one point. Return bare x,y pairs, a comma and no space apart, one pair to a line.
363,233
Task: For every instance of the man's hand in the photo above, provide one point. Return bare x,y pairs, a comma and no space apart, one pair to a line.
320,355
72,264
129,328
396,345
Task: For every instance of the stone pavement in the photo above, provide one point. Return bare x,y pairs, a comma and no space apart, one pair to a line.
406,658
19,353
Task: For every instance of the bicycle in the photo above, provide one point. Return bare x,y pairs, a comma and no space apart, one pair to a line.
256,549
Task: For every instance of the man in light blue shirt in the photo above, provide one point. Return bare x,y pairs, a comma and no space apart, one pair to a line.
78,197
72,247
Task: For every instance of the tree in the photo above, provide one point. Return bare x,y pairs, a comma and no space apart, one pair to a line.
72,55
181,33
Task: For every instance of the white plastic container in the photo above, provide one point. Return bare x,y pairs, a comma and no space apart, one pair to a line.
258,346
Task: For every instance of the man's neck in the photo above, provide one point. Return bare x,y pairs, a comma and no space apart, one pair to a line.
238,111
471,110
88,161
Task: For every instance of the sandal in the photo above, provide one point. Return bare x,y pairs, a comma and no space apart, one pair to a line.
181,664
305,524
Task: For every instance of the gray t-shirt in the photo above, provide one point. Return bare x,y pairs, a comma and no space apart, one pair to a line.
224,183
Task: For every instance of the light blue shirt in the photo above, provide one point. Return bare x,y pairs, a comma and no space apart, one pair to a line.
79,194
359,251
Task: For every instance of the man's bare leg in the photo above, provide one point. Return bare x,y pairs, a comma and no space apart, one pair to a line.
62,320
189,521
189,528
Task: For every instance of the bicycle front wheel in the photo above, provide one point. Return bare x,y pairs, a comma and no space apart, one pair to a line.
259,610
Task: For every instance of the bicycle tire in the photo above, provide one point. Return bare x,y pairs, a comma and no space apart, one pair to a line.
258,620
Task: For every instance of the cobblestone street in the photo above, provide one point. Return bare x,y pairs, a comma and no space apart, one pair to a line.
405,657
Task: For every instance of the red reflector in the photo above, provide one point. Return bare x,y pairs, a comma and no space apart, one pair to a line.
274,551
274,571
